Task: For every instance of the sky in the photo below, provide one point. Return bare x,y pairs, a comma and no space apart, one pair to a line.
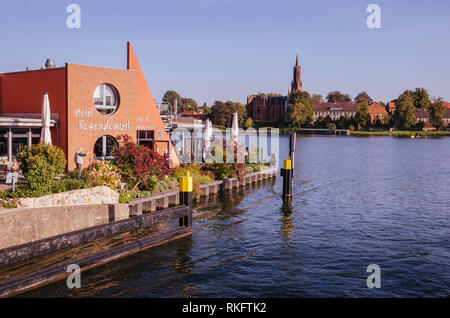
225,50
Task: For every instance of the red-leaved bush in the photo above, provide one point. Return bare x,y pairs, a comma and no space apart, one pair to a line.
139,164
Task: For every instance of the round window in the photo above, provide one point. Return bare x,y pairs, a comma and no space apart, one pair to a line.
106,99
104,147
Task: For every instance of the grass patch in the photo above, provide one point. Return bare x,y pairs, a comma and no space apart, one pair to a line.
401,133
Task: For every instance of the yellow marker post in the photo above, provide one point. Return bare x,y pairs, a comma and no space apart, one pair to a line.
185,185
287,164
287,174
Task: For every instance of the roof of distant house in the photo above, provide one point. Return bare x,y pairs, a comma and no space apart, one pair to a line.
422,113
339,106
425,113
376,108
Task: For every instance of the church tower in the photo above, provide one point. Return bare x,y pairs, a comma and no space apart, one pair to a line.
296,84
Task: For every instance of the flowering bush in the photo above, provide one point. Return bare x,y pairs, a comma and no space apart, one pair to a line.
104,173
223,170
141,167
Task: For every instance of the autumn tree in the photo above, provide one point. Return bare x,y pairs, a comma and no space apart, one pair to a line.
220,114
248,123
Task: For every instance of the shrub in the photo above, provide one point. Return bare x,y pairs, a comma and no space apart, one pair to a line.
129,195
103,173
40,164
68,184
165,184
139,164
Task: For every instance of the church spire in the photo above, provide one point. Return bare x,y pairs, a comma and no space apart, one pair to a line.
296,84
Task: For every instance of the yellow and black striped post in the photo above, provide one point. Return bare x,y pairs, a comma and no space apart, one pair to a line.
287,173
186,198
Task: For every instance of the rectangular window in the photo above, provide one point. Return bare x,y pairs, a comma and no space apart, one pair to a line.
146,138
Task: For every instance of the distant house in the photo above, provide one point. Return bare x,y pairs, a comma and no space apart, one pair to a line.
423,115
390,107
193,114
334,110
377,112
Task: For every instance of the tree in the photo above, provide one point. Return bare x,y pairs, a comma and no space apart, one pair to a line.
170,97
248,123
317,98
362,116
421,98
187,104
271,95
361,96
405,112
206,110
437,112
300,110
240,109
344,122
337,96
220,114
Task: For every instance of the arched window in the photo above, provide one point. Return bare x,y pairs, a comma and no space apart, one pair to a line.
106,99
104,146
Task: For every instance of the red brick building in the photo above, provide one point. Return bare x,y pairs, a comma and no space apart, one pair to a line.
273,108
261,107
90,106
377,112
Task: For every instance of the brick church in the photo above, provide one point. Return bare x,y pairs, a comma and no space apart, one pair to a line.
273,108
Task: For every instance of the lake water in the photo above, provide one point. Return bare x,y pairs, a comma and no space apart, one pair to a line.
357,201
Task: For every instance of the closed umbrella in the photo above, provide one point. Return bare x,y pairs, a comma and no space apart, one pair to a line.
235,127
208,134
45,117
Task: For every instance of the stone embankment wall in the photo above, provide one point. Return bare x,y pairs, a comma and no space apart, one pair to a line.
96,195
24,225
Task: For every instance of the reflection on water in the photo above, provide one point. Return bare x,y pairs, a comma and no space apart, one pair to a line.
357,201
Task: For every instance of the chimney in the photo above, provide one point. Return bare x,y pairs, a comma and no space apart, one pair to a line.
49,63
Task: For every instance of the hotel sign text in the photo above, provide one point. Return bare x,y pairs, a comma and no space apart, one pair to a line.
94,126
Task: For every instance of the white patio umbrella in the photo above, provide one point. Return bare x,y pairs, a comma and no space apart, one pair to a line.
208,134
45,117
235,127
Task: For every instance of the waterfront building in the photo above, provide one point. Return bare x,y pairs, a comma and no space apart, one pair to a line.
267,108
377,112
274,108
390,107
423,115
334,110
90,106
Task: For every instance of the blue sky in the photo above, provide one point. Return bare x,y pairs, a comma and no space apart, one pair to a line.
225,50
